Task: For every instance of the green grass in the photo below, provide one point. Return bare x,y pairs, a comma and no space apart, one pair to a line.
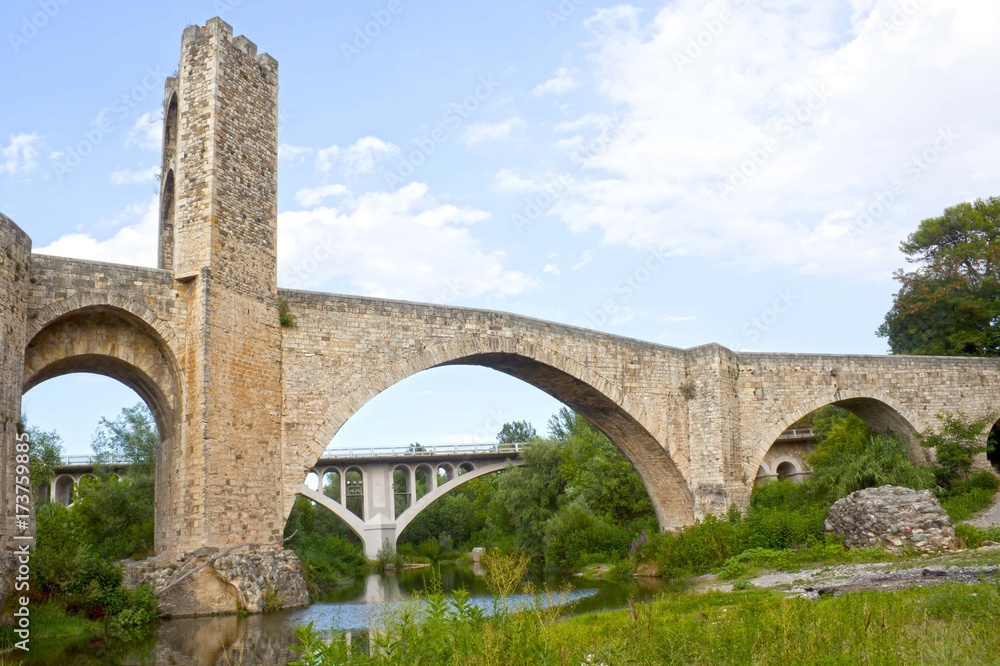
966,505
952,624
749,562
948,624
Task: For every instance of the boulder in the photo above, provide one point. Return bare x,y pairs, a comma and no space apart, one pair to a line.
892,518
254,582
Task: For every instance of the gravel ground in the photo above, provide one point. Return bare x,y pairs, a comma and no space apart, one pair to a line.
837,579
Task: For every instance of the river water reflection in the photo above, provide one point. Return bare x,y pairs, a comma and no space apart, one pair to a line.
265,639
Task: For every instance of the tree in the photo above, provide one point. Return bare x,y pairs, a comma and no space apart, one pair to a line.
130,439
956,444
44,452
117,516
516,432
950,305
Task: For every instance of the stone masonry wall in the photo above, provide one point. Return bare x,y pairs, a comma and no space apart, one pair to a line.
15,257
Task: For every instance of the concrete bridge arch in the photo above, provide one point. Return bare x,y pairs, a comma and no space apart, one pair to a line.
379,528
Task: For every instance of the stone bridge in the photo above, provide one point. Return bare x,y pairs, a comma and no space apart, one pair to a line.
246,406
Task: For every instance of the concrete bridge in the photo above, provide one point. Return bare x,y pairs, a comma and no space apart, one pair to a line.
389,486
245,406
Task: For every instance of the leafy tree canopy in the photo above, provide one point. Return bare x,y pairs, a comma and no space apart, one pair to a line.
131,438
516,432
950,304
45,452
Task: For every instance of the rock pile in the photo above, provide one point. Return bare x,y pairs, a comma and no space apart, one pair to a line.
892,518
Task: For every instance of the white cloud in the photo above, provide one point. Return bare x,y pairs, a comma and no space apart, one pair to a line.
563,82
309,197
400,244
824,105
21,154
146,133
552,269
134,243
127,177
478,133
359,158
294,154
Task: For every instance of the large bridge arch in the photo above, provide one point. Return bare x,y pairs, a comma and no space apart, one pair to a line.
109,341
878,409
116,343
598,399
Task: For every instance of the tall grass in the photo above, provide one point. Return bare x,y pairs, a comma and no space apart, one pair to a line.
951,624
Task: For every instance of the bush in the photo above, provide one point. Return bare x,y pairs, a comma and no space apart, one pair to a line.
575,535
973,537
327,560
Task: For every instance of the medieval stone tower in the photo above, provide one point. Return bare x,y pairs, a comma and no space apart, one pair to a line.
218,233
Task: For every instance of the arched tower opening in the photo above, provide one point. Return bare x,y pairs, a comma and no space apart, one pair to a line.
167,193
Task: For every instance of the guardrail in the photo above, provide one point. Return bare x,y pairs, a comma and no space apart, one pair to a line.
413,451
83,461
797,433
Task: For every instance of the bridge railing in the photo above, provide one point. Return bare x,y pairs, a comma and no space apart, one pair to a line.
797,433
81,461
413,451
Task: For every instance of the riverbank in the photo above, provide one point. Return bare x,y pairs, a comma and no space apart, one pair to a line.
930,620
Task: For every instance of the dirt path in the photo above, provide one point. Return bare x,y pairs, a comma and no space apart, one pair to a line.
989,517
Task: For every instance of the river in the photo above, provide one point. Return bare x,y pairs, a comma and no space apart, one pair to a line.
264,639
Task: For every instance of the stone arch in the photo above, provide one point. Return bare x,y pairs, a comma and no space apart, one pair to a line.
878,409
131,307
113,342
575,384
123,340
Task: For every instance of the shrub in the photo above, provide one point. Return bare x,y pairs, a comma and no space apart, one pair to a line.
327,560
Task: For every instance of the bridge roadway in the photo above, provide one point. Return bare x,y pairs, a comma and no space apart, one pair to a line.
383,502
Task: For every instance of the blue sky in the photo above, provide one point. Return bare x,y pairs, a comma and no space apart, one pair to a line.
682,172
